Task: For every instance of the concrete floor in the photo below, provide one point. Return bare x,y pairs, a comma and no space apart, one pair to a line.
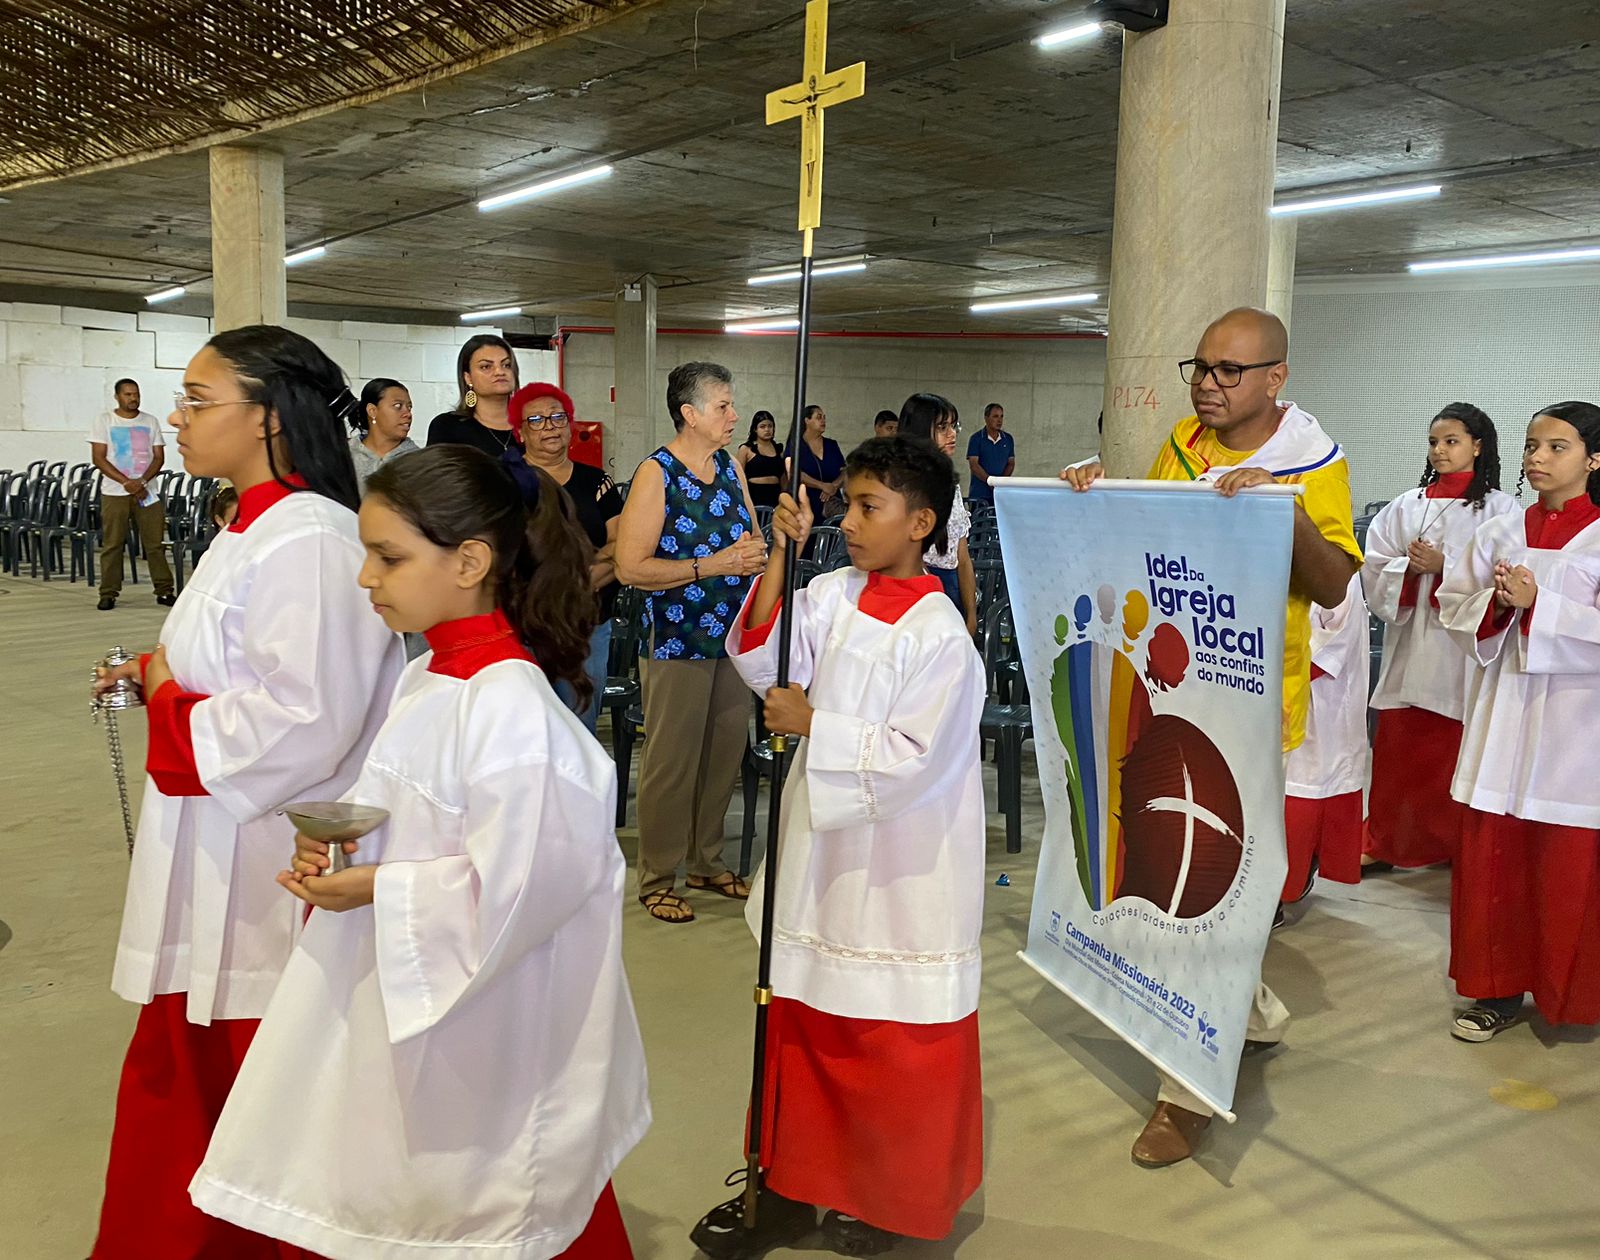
1371,1134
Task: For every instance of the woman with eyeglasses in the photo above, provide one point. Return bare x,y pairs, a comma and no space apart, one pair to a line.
486,373
271,680
541,418
934,417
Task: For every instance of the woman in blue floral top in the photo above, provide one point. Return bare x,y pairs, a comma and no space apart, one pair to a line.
688,540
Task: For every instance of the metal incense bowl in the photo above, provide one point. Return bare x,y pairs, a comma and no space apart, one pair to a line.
334,822
125,693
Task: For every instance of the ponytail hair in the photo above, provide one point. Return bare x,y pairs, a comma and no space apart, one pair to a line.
305,392
1585,418
1486,467
452,494
372,396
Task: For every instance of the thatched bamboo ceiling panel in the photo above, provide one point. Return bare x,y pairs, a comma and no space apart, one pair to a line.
87,84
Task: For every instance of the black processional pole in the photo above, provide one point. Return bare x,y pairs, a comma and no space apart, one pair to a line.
806,101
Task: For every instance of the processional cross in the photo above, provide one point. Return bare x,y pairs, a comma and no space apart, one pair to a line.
806,100
819,90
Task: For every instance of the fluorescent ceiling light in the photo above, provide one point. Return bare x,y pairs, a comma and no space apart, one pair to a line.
544,186
820,269
1068,35
1507,260
1021,304
497,313
166,295
777,324
304,255
1358,199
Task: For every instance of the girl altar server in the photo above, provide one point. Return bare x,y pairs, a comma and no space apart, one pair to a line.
1524,599
451,1067
270,682
1422,689
1325,775
875,1107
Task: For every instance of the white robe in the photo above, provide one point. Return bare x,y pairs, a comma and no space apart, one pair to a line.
1422,668
454,1071
1525,750
274,629
881,866
1333,759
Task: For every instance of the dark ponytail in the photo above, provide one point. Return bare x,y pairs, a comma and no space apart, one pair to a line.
1585,418
451,494
1486,468
305,390
371,396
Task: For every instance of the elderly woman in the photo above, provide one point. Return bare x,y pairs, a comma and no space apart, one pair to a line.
541,418
687,537
486,373
382,427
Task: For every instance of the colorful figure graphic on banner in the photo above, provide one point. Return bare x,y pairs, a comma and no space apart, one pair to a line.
1156,812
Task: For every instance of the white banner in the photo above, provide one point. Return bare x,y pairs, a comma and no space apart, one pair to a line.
1150,617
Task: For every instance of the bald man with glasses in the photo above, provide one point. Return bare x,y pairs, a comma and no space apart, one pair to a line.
1242,436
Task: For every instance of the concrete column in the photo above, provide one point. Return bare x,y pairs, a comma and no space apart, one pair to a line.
247,237
640,412
1280,267
1195,159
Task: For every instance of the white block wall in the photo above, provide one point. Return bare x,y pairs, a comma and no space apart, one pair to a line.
1373,358
1376,359
1050,389
58,365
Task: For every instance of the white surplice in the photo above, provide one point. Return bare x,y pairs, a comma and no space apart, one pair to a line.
454,1071
274,629
881,868
1422,668
1333,759
1524,750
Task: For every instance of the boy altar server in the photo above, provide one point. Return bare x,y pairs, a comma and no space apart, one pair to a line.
1323,777
874,1107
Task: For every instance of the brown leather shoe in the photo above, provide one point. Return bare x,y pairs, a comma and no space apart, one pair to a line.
1169,1137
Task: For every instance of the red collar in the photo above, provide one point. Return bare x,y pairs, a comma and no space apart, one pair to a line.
254,502
889,598
462,647
1450,485
1552,531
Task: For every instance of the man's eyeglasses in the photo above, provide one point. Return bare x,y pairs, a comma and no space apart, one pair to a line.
1226,375
182,402
555,420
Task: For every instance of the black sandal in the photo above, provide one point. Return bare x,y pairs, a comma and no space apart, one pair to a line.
732,886
780,1222
849,1236
665,899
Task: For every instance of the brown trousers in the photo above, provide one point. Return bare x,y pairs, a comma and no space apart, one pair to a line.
115,511
696,722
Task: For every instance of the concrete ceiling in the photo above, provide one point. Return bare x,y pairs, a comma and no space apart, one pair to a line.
977,166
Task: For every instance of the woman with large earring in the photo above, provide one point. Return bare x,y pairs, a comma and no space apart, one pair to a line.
486,371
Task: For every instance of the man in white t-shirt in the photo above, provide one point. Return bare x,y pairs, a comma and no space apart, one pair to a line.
126,446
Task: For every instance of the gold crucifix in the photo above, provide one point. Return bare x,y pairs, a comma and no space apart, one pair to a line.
817,91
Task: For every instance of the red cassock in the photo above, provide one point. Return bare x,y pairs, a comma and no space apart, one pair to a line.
1411,818
879,1120
1525,915
175,1078
1326,830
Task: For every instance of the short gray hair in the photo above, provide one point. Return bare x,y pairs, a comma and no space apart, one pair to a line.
687,384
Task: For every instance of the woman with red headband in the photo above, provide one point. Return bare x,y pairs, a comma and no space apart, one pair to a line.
541,417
